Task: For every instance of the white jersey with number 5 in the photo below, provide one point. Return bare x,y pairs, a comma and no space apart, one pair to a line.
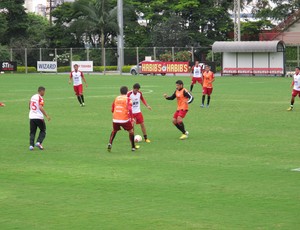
35,102
297,82
77,77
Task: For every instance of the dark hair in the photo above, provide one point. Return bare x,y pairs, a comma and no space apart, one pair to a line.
123,90
76,65
41,88
179,82
297,67
136,86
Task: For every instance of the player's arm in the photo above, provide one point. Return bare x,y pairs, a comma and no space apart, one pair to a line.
189,96
192,71
171,97
212,78
144,102
70,78
83,78
113,107
129,106
44,112
292,85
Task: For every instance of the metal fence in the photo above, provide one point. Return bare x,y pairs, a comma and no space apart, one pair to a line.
28,57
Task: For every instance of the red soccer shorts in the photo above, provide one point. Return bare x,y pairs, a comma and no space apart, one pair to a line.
180,113
126,126
78,89
138,117
207,91
196,79
295,93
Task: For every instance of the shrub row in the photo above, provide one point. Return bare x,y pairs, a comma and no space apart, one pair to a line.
62,69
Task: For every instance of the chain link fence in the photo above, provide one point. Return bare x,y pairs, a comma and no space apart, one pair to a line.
107,59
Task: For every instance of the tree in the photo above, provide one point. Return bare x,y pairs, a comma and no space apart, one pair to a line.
16,20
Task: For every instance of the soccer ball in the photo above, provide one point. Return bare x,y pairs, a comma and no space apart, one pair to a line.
137,138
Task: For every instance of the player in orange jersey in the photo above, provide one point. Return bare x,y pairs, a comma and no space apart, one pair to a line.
183,99
122,117
208,79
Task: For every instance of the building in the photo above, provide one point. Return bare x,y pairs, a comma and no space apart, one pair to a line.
287,31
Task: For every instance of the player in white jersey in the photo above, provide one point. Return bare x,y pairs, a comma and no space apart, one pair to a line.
136,97
77,77
36,117
296,87
196,74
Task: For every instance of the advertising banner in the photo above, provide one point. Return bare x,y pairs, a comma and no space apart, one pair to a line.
47,66
8,66
84,66
165,67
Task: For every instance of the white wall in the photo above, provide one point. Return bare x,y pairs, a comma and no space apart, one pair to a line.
229,60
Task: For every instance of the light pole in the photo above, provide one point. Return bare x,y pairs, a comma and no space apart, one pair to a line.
120,36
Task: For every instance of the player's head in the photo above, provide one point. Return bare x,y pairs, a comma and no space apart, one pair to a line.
179,84
41,90
136,87
76,67
297,70
123,90
196,63
207,68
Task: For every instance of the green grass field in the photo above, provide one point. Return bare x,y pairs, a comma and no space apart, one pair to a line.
233,172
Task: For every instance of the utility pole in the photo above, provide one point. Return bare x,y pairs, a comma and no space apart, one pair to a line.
237,20
120,36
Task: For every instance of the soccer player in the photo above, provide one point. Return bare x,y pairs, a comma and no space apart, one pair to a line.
183,99
196,74
2,104
77,77
136,97
122,117
208,79
296,87
36,116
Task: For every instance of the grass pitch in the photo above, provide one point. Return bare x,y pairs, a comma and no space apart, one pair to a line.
233,172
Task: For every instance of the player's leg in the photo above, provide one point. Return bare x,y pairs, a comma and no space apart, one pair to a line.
42,126
294,94
116,128
192,84
139,120
33,128
80,92
77,94
209,91
181,127
204,92
131,138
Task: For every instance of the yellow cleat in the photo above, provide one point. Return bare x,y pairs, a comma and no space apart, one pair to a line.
183,137
147,141
290,109
135,148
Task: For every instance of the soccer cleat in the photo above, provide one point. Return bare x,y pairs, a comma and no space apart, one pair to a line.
147,140
31,147
135,148
39,145
187,133
290,108
183,137
207,106
83,104
202,106
109,146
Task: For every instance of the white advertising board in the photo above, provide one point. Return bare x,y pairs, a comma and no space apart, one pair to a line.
47,66
84,66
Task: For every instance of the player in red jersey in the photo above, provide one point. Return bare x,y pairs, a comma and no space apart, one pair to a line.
122,117
2,104
136,97
208,79
77,77
183,99
196,74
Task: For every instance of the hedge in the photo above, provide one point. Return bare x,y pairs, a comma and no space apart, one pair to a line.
63,69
